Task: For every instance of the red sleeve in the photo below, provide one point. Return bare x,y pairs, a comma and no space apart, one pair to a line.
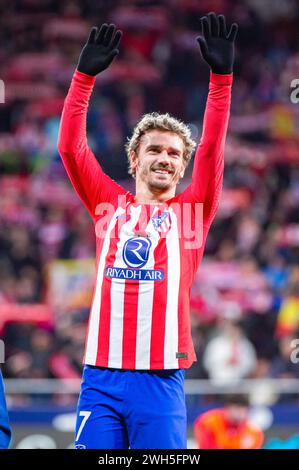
208,167
204,436
259,439
84,171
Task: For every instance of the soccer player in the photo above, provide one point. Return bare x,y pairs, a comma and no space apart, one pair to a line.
5,431
139,339
228,427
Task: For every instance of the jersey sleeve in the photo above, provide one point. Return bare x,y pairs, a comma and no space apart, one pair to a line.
208,167
259,439
204,436
91,183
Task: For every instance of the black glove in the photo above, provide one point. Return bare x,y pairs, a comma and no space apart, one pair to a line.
100,49
217,47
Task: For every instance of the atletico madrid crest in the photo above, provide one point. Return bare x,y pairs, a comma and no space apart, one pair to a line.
161,222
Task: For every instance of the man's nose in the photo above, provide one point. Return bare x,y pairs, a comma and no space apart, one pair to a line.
163,157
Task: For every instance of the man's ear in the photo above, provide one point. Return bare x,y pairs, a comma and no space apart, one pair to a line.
134,161
182,172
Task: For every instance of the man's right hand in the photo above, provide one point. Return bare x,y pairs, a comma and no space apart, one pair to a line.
100,49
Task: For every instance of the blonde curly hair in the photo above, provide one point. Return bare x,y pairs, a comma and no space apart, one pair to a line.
162,122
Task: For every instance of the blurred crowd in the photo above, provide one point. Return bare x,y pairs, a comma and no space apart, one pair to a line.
245,299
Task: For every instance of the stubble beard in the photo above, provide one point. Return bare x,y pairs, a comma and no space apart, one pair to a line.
154,183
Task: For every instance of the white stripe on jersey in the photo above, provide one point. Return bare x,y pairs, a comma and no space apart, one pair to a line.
94,322
117,293
174,272
145,307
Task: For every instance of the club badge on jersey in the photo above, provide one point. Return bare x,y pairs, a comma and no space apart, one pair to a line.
161,222
140,231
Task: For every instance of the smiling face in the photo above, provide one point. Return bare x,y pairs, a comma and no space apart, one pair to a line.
159,163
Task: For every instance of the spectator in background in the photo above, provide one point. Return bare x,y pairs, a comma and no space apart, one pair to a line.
5,431
228,427
29,357
288,315
282,366
229,356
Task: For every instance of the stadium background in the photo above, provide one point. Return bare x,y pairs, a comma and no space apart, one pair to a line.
246,295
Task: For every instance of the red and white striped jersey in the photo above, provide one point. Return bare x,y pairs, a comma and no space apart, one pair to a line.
146,254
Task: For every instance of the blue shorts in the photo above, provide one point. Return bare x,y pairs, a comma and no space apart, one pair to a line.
121,409
5,431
